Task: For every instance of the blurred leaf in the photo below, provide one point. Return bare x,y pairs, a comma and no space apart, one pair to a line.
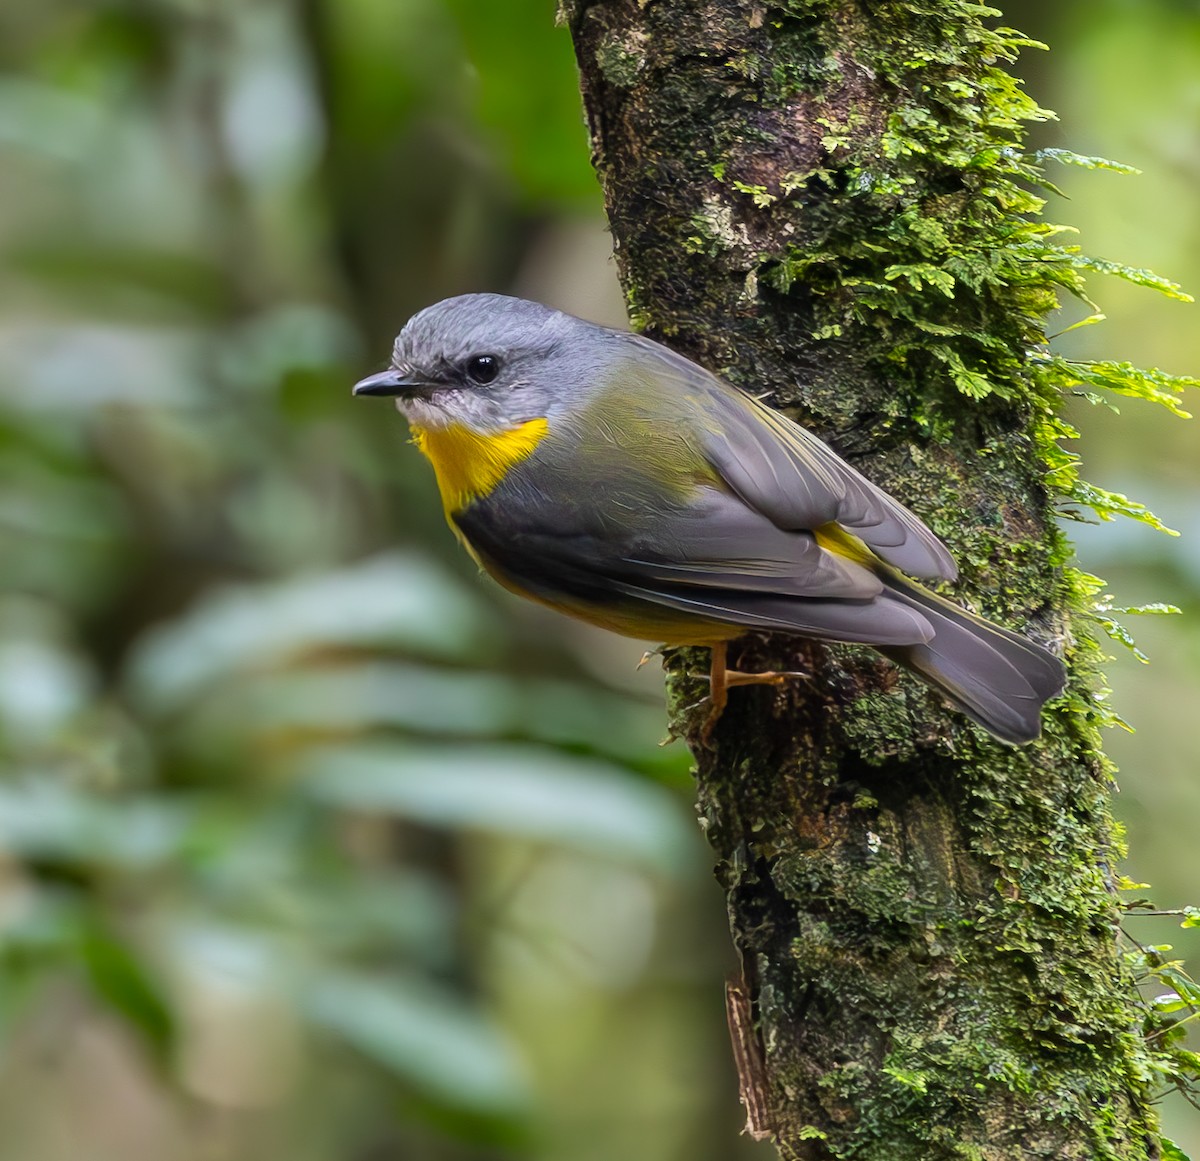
394,600
284,870
1185,987
90,366
1125,379
1154,609
42,818
1108,505
528,96
40,922
1169,1002
516,790
1102,613
1091,320
425,700
430,1037
39,935
1068,157
1117,632
119,979
383,910
246,955
387,60
81,271
272,120
292,336
47,120
41,687
1171,1151
1136,275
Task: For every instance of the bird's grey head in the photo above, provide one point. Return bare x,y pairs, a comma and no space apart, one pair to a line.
488,361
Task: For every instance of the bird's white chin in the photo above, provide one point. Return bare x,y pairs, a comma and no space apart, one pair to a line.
448,407
423,413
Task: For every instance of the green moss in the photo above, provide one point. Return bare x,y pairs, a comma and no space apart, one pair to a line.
759,194
881,715
621,60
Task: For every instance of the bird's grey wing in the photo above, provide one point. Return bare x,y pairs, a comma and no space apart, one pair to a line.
715,560
793,478
716,541
881,621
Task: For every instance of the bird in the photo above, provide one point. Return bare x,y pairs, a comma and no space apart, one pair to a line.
604,475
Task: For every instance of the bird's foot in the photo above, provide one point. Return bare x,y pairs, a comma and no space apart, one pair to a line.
648,655
721,680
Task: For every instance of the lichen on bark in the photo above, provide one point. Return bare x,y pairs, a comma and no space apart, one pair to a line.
830,201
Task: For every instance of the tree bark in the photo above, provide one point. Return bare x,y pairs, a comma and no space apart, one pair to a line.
824,200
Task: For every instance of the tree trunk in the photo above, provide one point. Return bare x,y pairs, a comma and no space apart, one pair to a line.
825,201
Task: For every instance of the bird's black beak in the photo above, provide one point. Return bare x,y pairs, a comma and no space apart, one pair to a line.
393,383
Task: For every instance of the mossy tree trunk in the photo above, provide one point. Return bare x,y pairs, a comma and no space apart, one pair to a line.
828,202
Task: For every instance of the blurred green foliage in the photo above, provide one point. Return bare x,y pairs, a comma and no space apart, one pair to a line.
278,780
312,844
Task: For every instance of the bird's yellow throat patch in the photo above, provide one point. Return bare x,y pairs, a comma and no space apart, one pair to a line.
470,464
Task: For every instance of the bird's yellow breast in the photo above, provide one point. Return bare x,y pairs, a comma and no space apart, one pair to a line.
470,464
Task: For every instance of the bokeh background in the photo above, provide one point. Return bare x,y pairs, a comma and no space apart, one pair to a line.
312,843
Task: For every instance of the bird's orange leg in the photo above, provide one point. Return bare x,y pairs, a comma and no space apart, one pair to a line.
721,680
718,691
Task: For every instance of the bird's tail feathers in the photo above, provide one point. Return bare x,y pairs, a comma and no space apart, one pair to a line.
997,678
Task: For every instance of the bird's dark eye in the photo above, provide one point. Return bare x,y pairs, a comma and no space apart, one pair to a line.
482,369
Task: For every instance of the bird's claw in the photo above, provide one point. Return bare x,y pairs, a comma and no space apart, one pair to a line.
645,657
731,678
